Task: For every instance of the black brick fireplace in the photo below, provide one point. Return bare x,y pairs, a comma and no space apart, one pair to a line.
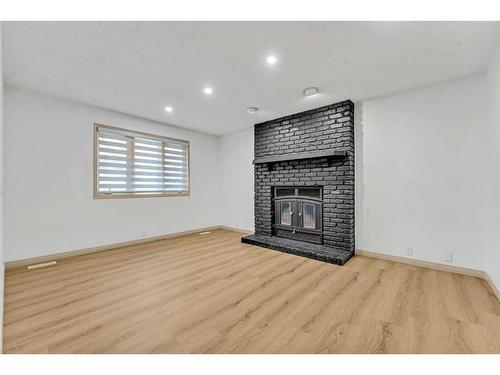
304,184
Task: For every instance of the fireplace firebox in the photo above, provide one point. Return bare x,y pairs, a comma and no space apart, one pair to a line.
298,213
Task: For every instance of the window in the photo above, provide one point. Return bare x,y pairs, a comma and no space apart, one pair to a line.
135,164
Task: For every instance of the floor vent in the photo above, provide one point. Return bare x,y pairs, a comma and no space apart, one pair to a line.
41,265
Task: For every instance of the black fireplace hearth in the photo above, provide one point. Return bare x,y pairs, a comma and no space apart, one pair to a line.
304,184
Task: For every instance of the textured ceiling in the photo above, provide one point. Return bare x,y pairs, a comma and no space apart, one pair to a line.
141,67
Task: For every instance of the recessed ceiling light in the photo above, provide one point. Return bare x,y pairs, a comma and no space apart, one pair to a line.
208,90
271,60
309,91
251,110
168,109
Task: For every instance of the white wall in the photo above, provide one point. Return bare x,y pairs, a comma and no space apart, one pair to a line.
423,174
492,259
48,180
426,177
1,195
236,155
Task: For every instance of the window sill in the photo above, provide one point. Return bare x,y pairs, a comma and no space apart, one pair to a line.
115,196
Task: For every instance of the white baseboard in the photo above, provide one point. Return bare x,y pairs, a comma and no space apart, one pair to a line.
492,285
244,231
66,254
436,266
422,263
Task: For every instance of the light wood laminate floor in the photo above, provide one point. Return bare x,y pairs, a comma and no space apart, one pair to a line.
212,294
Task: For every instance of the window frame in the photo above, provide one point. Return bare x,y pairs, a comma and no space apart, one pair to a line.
95,145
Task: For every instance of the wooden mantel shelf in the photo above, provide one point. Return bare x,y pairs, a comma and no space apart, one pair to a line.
301,156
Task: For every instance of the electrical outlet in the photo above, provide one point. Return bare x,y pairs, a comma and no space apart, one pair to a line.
448,257
409,251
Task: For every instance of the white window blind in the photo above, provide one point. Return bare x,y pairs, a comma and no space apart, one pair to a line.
134,163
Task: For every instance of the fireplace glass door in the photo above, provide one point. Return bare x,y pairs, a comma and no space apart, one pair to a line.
298,213
286,213
309,215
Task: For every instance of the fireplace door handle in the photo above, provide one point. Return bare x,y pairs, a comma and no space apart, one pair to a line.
300,213
291,213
